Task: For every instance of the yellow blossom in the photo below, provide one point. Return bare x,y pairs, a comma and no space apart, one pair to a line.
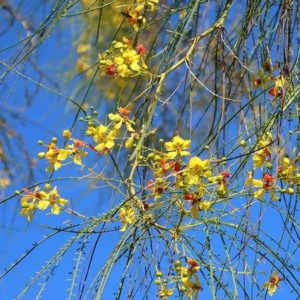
222,189
205,205
77,154
195,210
263,150
54,200
177,147
190,281
27,210
286,170
29,202
119,119
165,293
257,183
55,156
104,138
122,61
130,141
272,284
127,216
264,185
197,169
39,199
135,14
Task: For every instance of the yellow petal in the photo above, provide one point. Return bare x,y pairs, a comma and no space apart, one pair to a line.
135,67
257,183
171,155
43,204
259,194
77,159
195,211
62,201
55,209
57,165
129,143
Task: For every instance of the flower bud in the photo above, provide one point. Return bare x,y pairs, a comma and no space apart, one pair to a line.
67,134
182,288
41,155
47,187
242,143
158,274
177,263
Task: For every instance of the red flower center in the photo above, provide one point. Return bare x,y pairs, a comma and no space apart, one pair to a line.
140,49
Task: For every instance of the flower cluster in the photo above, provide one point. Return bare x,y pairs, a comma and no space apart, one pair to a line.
267,184
135,14
288,171
266,77
263,150
122,60
56,156
190,283
41,199
186,277
105,136
192,179
163,291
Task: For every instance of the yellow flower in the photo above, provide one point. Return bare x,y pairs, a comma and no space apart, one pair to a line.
130,141
272,284
199,205
254,182
286,170
205,205
120,119
190,281
259,194
263,152
39,199
176,147
197,169
77,153
122,61
127,216
264,185
152,4
259,158
27,210
135,14
165,293
55,156
29,202
104,138
222,189
54,200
